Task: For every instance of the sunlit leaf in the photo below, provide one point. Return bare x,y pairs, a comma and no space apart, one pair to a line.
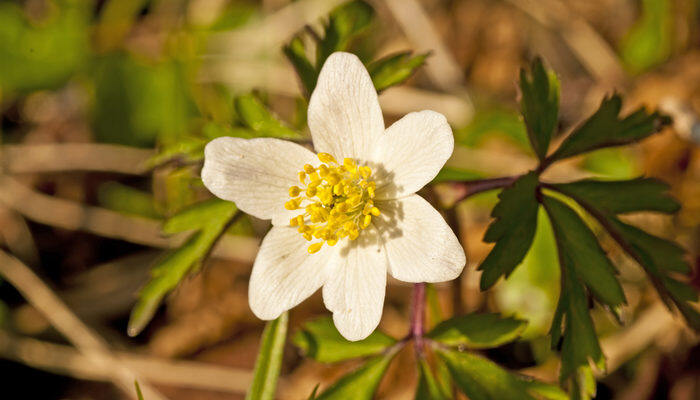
269,361
649,41
605,128
139,395
126,199
394,69
513,230
477,330
320,340
208,221
257,117
488,123
482,379
583,384
361,383
540,105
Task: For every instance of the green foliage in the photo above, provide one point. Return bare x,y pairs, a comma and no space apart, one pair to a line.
42,54
491,122
269,361
394,69
605,128
618,197
649,42
540,105
430,387
477,330
482,379
295,52
320,340
344,24
583,385
361,383
208,220
126,199
512,231
448,174
257,117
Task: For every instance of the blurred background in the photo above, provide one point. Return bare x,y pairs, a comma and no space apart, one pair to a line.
105,107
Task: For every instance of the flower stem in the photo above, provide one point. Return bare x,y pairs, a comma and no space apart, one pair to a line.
418,316
482,185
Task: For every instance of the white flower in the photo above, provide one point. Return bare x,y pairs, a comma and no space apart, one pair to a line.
341,225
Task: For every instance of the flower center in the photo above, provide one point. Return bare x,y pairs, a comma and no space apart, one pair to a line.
337,200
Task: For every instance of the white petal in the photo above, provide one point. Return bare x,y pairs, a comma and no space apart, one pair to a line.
255,173
344,114
411,153
420,245
355,288
284,273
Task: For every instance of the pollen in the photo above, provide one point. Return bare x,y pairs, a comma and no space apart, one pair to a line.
336,201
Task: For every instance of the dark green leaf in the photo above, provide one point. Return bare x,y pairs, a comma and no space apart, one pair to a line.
513,229
578,246
361,383
482,379
615,197
257,117
320,340
139,395
344,24
312,396
208,219
478,330
296,54
540,105
394,69
605,129
269,361
429,388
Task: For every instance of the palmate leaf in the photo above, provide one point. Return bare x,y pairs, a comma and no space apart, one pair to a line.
540,105
477,331
580,342
660,258
605,128
320,340
361,383
269,361
394,69
513,230
209,220
482,379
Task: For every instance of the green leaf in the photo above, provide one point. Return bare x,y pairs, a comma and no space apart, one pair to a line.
580,341
540,105
478,330
361,383
583,384
482,379
296,54
488,123
312,396
344,24
320,340
257,117
126,199
139,395
449,174
269,361
209,220
580,249
394,69
650,40
605,129
429,388
616,197
513,230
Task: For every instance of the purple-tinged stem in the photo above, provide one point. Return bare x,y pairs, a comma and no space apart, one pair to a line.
418,316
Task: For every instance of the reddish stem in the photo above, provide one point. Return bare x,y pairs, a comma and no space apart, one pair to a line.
418,316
